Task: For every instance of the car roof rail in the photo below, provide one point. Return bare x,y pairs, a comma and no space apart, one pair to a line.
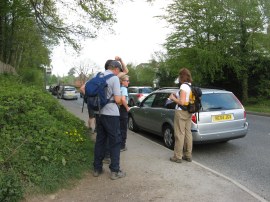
162,88
214,87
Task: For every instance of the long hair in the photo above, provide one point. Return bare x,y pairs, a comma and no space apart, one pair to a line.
184,76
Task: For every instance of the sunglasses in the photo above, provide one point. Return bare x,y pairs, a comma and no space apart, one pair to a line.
126,80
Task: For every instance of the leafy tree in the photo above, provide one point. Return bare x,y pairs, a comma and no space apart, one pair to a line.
141,75
29,28
218,40
72,71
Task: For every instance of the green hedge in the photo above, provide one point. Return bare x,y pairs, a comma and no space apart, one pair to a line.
42,145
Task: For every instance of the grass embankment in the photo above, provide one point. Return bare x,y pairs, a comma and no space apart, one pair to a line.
43,147
258,105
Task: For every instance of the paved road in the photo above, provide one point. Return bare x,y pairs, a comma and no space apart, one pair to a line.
244,160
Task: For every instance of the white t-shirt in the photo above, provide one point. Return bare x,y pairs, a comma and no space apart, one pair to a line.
186,88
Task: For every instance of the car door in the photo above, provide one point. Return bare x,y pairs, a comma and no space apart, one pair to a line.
142,114
157,113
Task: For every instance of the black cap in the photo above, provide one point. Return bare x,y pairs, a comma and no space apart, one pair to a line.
117,64
107,64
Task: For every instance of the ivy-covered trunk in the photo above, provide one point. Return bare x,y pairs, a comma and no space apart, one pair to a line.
244,85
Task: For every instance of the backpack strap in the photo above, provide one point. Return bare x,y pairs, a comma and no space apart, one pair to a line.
106,78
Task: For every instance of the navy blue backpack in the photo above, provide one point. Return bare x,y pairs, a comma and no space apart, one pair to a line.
96,91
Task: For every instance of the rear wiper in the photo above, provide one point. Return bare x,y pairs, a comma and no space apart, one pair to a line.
214,108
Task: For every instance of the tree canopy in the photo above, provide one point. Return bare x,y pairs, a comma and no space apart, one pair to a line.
222,41
29,28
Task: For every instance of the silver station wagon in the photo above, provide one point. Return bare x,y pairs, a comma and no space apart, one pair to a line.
222,117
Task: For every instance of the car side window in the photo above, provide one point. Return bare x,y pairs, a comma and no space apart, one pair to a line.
160,100
148,101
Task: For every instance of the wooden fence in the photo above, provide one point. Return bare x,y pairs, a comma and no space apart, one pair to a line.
5,68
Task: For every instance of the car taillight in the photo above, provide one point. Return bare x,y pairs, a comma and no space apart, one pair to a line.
194,118
245,114
139,95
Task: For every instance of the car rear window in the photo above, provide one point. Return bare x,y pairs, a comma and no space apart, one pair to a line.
219,101
146,90
69,89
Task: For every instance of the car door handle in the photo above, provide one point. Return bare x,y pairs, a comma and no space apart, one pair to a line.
162,114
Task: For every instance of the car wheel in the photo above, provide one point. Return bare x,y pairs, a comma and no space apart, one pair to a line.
131,103
168,136
132,125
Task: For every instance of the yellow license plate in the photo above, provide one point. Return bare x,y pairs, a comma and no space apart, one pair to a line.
222,117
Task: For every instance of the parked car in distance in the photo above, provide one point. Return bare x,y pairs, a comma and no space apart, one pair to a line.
54,89
222,117
67,92
137,94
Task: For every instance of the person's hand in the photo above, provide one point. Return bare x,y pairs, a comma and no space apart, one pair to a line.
172,96
117,58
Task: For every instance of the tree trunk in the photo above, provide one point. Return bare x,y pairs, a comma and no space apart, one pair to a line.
244,84
1,38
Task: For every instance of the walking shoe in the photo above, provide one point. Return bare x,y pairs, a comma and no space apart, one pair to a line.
187,159
117,175
123,149
96,173
107,160
176,160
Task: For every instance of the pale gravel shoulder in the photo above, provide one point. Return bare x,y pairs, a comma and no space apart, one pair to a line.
150,177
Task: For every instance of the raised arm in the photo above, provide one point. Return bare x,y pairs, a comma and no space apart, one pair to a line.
125,69
82,89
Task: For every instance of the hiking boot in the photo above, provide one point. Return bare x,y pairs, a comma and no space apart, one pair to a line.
176,160
187,159
123,149
107,160
96,173
117,175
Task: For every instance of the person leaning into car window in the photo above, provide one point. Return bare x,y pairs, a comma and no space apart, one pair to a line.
182,119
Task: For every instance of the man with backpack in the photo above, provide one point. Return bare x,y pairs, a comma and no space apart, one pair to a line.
91,112
108,124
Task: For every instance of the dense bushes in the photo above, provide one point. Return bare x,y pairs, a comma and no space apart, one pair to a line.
42,145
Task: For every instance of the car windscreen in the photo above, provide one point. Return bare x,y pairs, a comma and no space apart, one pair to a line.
146,90
219,101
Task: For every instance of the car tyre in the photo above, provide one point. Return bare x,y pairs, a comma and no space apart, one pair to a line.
168,136
132,125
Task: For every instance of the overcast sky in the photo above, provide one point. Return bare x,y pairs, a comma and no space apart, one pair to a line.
137,36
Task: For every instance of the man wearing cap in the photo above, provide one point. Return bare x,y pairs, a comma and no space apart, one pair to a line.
122,73
108,125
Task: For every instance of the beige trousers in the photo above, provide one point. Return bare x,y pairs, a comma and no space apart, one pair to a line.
182,134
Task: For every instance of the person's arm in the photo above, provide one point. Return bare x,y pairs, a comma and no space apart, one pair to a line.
181,100
124,102
82,89
117,99
125,69
116,90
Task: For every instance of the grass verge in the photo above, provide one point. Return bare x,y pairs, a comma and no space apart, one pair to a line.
43,147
